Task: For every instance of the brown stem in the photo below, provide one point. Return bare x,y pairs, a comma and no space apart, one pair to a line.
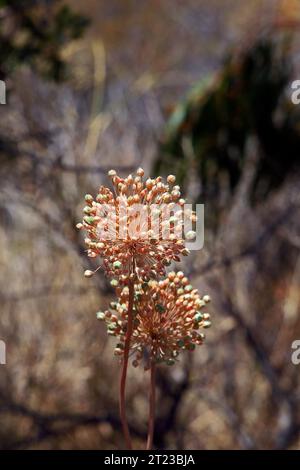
125,366
152,408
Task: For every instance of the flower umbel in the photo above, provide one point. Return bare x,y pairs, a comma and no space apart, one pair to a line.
167,317
140,220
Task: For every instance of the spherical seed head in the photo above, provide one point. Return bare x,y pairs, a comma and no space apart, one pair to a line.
88,198
167,319
117,224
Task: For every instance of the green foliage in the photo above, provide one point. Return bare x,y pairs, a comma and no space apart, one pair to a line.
209,130
34,33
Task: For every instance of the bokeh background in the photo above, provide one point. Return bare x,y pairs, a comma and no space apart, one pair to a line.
197,88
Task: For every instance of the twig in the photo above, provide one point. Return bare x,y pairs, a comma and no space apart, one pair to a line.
125,366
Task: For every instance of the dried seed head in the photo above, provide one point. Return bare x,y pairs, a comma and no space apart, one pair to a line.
118,226
167,319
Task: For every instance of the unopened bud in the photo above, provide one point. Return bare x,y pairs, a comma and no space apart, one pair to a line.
190,235
117,264
170,362
89,198
100,316
198,317
171,179
140,172
88,273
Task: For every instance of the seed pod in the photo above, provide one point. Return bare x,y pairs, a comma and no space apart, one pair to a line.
88,273
100,315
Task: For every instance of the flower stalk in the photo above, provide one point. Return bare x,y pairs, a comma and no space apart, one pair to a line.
137,230
151,406
122,390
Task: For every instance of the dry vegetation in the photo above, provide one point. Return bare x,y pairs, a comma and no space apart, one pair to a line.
59,387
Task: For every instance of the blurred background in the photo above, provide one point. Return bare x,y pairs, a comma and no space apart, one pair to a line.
197,88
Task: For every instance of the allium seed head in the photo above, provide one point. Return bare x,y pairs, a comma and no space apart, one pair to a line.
136,228
167,319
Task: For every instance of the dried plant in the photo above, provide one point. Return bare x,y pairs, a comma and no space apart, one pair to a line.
137,230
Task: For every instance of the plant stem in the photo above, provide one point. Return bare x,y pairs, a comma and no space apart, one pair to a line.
125,366
152,407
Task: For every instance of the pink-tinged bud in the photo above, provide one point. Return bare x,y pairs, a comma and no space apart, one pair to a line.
107,227
171,179
89,198
79,226
149,183
140,172
191,235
